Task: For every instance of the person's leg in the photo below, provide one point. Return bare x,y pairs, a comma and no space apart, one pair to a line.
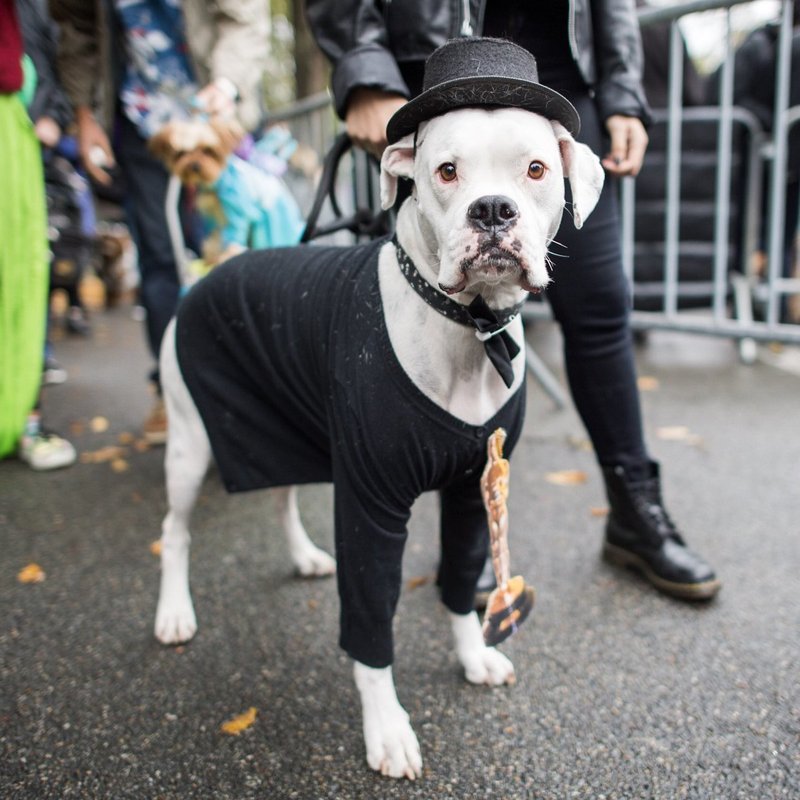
24,280
146,184
159,283
590,299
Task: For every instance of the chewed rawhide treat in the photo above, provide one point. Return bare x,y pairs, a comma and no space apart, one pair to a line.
511,602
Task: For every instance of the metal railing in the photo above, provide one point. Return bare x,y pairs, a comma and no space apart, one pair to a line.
767,156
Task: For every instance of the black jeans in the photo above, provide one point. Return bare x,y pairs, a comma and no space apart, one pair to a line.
146,189
590,299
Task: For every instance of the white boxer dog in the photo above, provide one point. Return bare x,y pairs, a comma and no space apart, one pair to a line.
487,200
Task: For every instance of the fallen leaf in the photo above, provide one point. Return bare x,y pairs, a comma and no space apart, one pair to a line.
33,573
673,433
109,453
239,723
77,428
678,433
580,443
566,477
419,580
313,604
119,465
599,512
126,437
647,383
98,424
155,547
141,445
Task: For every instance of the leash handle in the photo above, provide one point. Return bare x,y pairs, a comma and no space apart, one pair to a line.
363,222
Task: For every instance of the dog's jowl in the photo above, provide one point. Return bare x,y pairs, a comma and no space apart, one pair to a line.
382,368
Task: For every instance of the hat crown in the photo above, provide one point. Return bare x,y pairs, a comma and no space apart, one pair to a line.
481,72
482,57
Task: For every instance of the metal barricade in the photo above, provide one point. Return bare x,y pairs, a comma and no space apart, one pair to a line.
768,155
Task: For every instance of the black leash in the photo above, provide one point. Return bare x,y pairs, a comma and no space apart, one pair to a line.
363,222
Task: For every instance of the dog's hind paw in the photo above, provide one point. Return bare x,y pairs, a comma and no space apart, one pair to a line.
175,625
488,667
314,563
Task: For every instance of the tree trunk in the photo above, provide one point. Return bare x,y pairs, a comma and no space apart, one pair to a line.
312,67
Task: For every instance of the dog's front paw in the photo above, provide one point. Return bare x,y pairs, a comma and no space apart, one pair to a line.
488,667
392,746
175,622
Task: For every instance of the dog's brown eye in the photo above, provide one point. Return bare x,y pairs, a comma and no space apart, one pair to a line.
447,172
536,170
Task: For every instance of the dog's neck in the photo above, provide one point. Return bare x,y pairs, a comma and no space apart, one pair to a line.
445,360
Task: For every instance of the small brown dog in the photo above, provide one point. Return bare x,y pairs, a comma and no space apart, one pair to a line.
243,206
197,152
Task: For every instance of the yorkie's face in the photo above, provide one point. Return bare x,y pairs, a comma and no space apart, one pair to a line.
195,150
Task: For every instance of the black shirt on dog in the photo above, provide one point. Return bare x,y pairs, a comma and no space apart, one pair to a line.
288,360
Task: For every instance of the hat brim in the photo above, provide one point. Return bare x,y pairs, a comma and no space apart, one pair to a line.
487,91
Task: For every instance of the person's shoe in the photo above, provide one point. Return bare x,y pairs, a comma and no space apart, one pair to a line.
46,451
487,583
78,322
52,372
640,535
155,426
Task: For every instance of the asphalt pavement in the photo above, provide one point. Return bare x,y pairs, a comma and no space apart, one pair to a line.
620,693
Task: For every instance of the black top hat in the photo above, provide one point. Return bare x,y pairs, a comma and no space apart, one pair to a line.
481,71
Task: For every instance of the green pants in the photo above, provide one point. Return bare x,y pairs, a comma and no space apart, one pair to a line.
24,272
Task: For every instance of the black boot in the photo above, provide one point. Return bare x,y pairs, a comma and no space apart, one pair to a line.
640,534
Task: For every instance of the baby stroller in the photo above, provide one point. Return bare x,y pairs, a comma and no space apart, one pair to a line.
71,228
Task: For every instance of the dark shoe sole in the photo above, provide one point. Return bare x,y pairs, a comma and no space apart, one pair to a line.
620,557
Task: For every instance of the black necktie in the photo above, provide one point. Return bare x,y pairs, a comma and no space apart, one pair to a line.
490,325
497,341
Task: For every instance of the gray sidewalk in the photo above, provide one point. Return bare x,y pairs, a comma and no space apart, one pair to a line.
620,693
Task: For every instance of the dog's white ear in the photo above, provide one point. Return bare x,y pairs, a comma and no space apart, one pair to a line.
584,172
397,162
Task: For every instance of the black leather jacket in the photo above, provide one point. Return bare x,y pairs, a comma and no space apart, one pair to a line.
364,39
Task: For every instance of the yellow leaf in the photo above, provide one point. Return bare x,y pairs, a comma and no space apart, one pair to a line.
240,723
98,424
647,383
33,573
566,477
126,437
155,547
599,512
119,465
419,580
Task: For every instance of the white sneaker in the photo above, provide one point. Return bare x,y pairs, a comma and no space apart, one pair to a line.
53,373
46,451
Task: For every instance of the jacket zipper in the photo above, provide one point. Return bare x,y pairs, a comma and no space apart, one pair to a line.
573,39
466,24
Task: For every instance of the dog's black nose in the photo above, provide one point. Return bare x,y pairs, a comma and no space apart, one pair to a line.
493,213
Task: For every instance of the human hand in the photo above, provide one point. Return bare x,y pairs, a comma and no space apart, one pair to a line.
368,112
628,144
48,131
93,146
218,98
